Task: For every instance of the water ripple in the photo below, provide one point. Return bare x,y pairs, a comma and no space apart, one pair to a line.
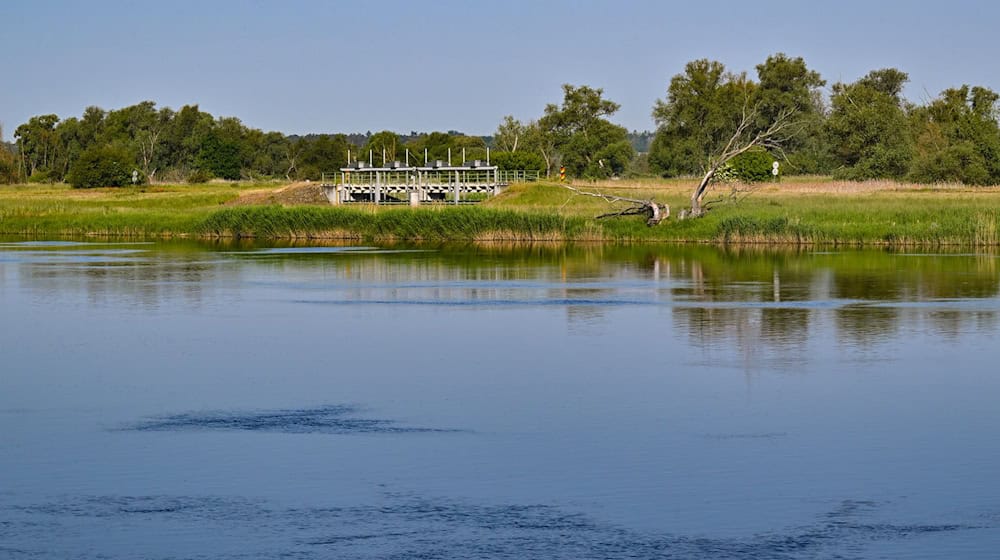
330,419
406,526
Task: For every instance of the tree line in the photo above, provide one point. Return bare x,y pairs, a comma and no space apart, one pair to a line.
861,130
189,144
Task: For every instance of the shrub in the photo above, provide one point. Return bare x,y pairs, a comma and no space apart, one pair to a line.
8,166
103,166
200,176
752,166
508,161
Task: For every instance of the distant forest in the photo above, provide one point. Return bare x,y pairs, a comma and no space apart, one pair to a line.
861,130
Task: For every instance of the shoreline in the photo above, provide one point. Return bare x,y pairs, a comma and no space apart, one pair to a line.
797,213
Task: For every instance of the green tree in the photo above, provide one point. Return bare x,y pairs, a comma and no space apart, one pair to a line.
703,107
588,144
868,127
323,153
519,160
8,162
436,145
102,166
182,140
38,144
384,144
787,84
957,138
220,156
509,135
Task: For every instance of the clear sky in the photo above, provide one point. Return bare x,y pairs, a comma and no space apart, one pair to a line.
313,66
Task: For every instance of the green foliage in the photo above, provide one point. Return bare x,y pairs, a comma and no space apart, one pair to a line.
868,127
200,176
517,160
327,153
957,138
384,143
703,107
102,166
588,144
9,172
753,166
220,156
509,135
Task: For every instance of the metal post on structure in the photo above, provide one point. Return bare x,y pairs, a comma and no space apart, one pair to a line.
487,155
456,188
463,156
371,158
449,157
407,157
383,156
348,156
425,157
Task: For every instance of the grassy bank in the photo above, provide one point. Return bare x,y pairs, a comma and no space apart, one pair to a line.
809,210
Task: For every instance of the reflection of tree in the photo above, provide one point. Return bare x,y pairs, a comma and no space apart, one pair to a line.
146,280
864,325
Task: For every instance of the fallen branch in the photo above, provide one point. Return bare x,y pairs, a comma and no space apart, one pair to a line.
654,212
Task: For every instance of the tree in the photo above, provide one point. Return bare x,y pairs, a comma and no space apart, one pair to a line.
589,144
957,138
8,163
102,166
323,153
509,134
384,145
787,84
520,160
868,127
702,108
38,144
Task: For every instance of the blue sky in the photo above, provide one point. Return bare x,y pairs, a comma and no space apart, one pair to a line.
309,66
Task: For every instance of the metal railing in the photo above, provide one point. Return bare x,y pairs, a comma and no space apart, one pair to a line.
502,176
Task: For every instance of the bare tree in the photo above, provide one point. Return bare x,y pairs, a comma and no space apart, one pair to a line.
743,140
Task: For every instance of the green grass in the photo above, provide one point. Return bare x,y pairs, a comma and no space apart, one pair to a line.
803,211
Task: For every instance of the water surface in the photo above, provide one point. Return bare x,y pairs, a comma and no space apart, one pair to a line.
184,400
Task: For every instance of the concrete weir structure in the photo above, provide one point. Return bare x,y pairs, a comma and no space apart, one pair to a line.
396,182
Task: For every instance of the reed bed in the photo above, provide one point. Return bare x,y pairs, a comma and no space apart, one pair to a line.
794,212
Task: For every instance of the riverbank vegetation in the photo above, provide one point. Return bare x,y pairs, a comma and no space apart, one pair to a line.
797,211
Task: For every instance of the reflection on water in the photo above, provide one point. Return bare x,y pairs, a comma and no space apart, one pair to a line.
763,296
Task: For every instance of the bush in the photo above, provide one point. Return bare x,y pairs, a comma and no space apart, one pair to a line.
103,166
200,176
510,161
8,166
753,166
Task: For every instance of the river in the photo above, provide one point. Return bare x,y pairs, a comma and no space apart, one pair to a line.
192,400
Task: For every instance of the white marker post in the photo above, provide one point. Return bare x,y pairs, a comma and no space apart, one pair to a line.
774,170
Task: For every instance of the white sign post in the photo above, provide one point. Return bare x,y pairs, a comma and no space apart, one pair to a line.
774,170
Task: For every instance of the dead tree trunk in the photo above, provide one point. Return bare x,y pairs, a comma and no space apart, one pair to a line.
741,142
655,212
